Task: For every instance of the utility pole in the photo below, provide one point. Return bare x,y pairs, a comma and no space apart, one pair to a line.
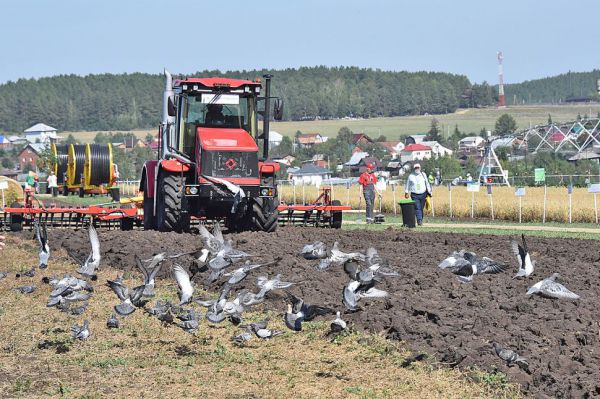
501,100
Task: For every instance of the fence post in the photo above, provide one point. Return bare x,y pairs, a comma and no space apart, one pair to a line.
348,193
545,196
489,190
294,190
520,208
394,196
595,208
472,204
432,206
303,193
450,199
570,191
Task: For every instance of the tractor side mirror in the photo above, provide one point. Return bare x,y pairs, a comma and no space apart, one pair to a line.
171,107
278,110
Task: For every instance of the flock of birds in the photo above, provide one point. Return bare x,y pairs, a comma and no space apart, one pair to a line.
224,262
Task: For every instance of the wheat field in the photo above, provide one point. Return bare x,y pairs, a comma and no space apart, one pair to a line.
505,203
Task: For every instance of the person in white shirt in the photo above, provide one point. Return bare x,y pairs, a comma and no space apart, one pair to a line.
417,188
52,183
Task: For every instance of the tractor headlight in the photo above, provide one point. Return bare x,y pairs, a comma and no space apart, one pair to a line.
264,192
193,190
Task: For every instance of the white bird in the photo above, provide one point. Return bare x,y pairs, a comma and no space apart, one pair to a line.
237,191
317,250
353,292
42,237
467,265
186,290
526,265
550,288
88,268
337,256
130,298
338,325
241,273
267,285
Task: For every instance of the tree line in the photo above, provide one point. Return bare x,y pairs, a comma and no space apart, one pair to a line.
129,101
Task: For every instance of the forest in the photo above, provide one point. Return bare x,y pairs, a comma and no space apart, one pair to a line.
130,101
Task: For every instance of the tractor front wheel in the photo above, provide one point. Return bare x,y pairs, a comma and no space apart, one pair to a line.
264,214
170,212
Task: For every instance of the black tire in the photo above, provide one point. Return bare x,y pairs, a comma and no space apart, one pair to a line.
336,216
127,224
65,191
16,219
170,212
264,214
149,218
81,192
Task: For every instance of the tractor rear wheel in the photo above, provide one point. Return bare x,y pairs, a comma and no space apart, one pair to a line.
149,218
170,212
264,214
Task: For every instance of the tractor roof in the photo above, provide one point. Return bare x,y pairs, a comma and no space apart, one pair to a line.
217,82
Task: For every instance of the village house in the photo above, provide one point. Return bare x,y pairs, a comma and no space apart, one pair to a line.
471,142
415,139
437,150
393,148
30,154
309,174
275,138
41,133
4,143
361,138
415,152
310,139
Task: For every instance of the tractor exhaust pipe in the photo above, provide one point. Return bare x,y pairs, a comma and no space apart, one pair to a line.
267,115
167,121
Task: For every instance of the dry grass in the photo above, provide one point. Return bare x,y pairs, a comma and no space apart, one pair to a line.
88,136
506,204
145,359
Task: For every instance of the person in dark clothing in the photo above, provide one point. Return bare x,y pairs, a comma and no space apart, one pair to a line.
367,183
214,116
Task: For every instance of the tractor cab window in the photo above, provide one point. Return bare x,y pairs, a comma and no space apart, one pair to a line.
214,110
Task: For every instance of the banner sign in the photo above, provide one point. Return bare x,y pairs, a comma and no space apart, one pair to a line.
540,175
520,192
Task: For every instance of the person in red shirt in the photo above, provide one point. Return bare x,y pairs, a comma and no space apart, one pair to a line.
367,183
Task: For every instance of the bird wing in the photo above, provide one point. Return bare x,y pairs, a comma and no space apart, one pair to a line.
75,257
183,279
519,252
121,290
95,242
260,325
217,233
489,266
373,293
351,269
559,291
142,268
295,301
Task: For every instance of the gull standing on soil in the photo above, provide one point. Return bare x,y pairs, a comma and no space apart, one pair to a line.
42,237
150,271
113,322
338,257
510,357
317,250
81,332
89,267
467,265
186,290
550,288
338,325
298,311
526,265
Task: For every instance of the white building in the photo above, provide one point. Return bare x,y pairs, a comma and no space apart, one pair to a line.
415,152
437,150
394,148
309,174
274,138
41,133
471,142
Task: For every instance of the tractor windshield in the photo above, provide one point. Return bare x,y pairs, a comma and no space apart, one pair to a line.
214,110
228,111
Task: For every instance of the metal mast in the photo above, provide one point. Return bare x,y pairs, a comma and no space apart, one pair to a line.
501,100
491,171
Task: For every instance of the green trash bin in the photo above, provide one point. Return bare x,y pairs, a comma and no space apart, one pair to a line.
409,214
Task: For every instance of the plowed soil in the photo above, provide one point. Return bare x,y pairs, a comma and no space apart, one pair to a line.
453,323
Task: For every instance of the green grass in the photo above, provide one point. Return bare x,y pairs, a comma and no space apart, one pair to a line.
468,120
74,199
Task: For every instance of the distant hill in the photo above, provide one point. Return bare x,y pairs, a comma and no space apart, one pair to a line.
133,101
555,89
130,101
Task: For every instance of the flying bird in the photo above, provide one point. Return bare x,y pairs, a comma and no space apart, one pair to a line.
550,288
467,265
42,237
510,357
526,265
150,271
317,250
90,265
353,292
186,290
130,298
336,256
299,311
241,273
81,332
267,285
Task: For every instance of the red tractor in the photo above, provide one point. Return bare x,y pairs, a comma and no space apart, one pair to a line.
209,164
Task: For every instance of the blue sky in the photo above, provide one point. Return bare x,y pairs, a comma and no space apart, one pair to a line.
50,37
